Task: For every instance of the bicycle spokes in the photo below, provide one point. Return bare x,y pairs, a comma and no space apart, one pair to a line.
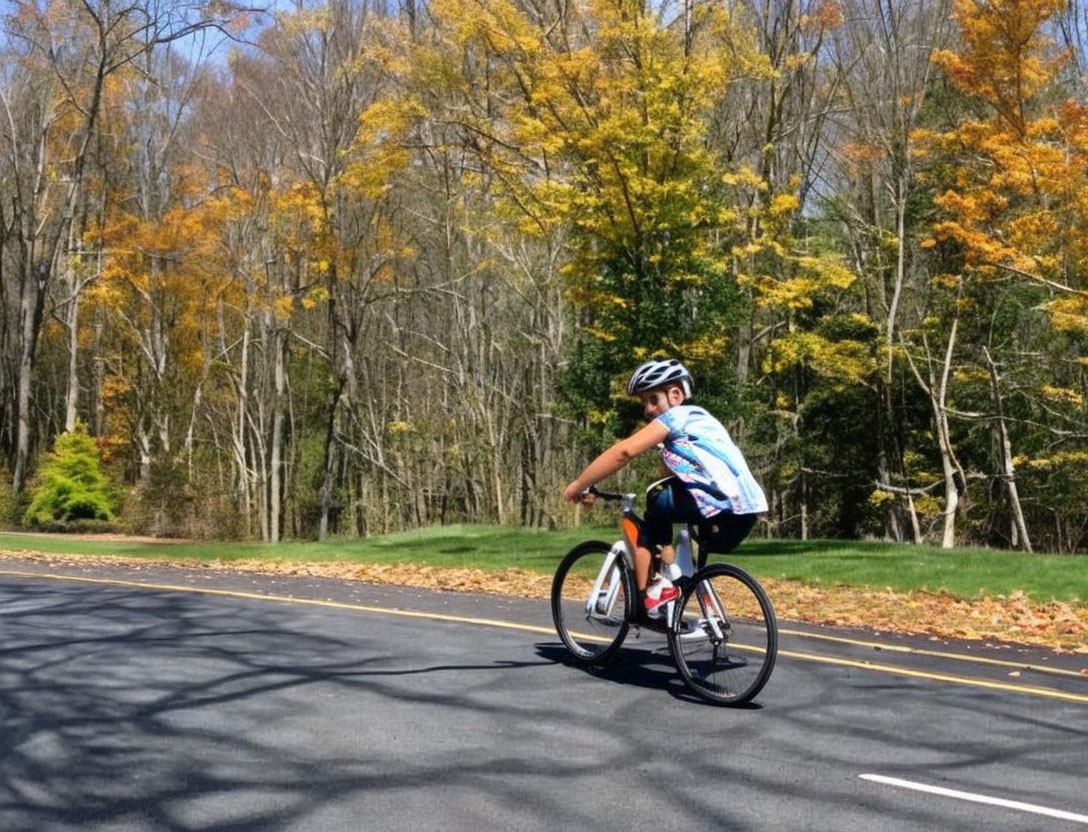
590,601
726,637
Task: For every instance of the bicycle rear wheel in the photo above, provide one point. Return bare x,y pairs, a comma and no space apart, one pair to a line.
591,601
725,637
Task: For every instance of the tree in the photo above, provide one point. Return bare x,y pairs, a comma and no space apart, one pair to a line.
333,65
882,56
72,486
596,120
1012,212
381,268
66,52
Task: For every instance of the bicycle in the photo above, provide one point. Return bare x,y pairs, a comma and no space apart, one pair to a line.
721,630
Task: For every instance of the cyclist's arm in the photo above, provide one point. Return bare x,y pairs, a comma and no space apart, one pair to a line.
611,460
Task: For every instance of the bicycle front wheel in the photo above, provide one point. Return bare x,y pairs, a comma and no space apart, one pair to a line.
591,601
725,636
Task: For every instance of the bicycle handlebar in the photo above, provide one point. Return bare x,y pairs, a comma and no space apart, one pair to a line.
610,496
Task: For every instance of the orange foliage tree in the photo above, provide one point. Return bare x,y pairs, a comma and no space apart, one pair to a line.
1018,201
1011,183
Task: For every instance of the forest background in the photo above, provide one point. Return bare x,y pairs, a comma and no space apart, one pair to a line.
313,271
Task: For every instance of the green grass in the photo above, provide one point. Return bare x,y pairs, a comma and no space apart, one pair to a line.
964,572
483,547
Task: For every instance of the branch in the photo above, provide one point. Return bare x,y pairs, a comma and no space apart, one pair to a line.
1060,287
339,437
320,350
896,489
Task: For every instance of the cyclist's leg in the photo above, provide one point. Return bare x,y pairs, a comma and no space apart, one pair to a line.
667,502
656,530
643,556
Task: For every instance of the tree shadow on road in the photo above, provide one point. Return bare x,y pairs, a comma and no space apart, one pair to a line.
178,711
139,709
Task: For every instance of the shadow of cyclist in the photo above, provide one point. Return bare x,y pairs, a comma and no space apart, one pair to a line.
647,666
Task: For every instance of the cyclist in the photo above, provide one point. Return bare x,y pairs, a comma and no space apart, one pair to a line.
710,484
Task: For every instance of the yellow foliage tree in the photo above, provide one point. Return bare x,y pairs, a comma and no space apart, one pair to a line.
1017,203
593,117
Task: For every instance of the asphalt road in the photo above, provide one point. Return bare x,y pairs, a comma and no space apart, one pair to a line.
167,699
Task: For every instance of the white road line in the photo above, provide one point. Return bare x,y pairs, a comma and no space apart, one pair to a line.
976,798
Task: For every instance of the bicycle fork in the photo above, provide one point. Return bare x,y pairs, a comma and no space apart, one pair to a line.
711,607
712,616
602,598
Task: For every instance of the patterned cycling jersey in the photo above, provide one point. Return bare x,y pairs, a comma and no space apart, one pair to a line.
701,453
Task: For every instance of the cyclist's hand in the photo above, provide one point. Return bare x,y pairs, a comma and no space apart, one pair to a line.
574,493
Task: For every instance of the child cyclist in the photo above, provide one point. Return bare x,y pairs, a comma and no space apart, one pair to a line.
710,483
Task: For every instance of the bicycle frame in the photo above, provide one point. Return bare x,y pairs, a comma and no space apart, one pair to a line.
700,628
602,597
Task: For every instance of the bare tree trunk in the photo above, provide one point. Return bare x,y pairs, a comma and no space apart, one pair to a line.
99,378
143,444
30,314
329,468
944,439
71,398
803,492
1019,527
279,410
71,321
260,460
744,353
239,432
915,525
937,392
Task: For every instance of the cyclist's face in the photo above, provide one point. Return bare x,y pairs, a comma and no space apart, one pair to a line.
656,402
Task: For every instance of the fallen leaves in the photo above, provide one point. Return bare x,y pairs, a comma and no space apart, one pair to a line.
1056,624
1016,618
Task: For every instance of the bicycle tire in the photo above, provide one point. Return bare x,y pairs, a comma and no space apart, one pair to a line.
724,635
591,633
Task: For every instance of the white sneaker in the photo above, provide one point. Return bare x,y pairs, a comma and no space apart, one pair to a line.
658,594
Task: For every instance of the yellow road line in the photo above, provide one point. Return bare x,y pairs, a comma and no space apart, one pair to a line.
863,664
1033,690
532,628
314,602
938,654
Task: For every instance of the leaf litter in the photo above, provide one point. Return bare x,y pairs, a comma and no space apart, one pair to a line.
1014,619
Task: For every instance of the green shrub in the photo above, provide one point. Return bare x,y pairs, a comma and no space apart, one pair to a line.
71,485
10,510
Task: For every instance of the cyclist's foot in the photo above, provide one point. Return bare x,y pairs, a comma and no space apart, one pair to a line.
658,594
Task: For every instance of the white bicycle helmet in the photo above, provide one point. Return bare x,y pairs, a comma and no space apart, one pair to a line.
656,373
